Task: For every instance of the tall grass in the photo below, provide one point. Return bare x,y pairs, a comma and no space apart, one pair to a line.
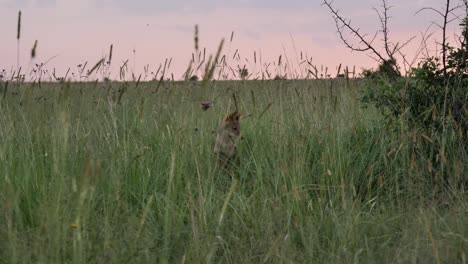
85,179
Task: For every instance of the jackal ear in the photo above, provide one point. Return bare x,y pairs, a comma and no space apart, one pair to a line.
234,116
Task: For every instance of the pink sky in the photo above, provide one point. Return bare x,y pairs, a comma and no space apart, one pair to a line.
79,31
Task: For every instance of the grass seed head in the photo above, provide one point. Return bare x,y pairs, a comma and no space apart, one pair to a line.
18,32
33,51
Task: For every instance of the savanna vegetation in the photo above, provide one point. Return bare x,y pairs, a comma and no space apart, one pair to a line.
331,170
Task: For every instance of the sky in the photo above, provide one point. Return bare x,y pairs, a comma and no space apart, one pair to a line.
147,32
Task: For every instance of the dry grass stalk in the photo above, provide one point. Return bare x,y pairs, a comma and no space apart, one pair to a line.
433,243
196,39
110,54
18,37
211,65
96,66
33,51
18,32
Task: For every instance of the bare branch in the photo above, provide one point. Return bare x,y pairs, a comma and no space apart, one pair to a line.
383,17
374,58
431,9
386,59
447,19
343,24
444,38
399,47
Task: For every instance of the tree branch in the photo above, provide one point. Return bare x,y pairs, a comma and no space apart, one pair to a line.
343,24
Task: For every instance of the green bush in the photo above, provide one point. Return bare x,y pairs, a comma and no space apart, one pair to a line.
431,97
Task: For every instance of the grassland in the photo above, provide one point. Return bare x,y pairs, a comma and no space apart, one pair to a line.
124,173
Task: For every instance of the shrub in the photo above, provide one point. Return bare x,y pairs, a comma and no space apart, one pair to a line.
431,97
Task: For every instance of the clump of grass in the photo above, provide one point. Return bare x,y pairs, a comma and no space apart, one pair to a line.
320,180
